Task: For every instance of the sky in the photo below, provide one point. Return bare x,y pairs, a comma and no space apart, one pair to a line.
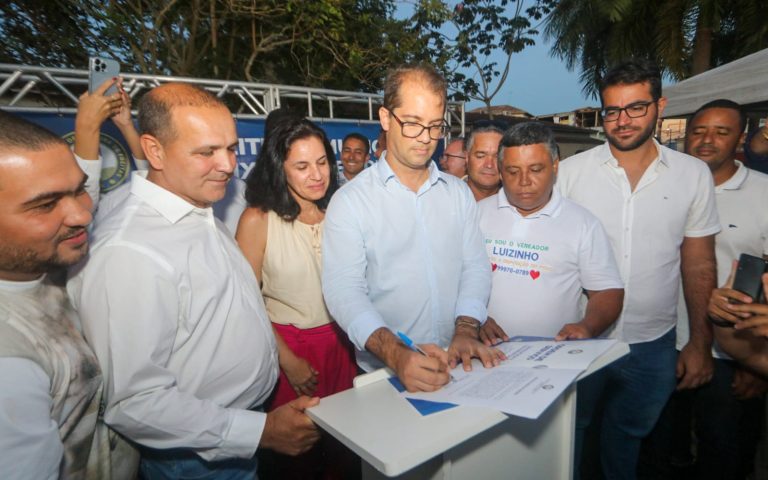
537,83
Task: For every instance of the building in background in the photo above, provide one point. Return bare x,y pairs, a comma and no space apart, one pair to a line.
570,139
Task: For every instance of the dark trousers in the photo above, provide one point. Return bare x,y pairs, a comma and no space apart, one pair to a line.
625,400
706,433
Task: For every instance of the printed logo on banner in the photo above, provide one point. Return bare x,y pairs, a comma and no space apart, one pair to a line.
115,167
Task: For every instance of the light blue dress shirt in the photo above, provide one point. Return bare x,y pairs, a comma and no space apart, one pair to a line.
406,261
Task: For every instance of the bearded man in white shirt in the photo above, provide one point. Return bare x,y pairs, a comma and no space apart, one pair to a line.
50,381
187,364
658,208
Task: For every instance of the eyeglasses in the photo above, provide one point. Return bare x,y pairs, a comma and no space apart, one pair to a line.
449,155
413,129
633,110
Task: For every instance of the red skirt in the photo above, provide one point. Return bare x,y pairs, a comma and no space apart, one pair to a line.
328,350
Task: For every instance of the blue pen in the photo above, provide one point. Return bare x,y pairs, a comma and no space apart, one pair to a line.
409,343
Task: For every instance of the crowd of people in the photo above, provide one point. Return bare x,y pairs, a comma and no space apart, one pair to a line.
180,326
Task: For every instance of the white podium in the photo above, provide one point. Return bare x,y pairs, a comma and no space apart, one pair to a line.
395,441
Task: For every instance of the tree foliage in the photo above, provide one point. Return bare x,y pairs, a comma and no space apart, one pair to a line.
343,44
468,34
685,37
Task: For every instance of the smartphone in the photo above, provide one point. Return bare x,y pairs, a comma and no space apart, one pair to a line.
748,279
99,71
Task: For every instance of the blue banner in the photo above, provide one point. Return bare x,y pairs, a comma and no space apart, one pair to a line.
116,155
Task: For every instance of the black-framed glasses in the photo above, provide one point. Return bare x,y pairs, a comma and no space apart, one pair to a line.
633,110
413,129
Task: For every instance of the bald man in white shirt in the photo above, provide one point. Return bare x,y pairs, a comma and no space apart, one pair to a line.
189,362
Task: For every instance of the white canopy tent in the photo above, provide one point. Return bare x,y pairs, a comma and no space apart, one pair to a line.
744,81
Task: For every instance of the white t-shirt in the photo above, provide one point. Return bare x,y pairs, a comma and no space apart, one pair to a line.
542,262
742,205
674,199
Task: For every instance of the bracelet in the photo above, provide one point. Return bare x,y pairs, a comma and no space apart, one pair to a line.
474,324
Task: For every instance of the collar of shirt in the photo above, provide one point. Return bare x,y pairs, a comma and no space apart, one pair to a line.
551,209
21,287
736,180
606,155
167,204
385,174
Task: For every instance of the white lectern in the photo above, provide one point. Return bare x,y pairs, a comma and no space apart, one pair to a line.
394,440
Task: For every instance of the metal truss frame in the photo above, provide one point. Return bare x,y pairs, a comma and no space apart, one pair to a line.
33,88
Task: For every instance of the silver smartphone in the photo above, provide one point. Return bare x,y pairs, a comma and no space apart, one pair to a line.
99,71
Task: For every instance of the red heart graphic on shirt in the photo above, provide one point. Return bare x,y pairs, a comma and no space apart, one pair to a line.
534,274
494,267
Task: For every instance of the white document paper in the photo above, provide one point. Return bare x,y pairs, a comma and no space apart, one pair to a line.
571,354
534,376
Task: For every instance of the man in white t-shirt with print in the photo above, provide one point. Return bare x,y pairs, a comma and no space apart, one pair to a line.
544,249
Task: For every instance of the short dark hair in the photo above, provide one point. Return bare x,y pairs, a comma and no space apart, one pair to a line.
723,103
529,133
266,185
156,106
483,126
424,73
633,71
358,136
19,133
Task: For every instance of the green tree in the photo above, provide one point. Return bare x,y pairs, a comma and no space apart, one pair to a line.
685,37
466,36
324,43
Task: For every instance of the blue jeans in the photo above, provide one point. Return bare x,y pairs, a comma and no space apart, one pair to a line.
185,465
632,392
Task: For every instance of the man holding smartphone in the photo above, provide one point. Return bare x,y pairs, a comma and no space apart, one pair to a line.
725,412
745,341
